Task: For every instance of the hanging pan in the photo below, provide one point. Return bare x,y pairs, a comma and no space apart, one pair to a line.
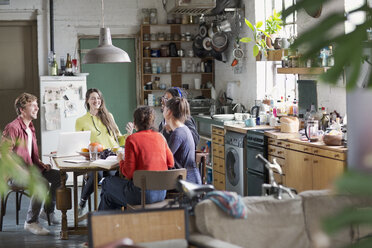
220,42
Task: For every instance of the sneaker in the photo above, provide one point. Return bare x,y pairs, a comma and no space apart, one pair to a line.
36,228
52,217
81,211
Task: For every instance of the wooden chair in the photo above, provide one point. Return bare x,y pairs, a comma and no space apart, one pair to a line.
19,191
201,162
156,180
146,225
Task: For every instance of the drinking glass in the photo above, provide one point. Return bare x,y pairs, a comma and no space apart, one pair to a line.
93,154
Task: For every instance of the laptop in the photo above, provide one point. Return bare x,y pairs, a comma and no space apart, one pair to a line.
69,143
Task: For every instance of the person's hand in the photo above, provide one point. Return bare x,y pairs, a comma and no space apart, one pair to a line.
47,167
120,156
167,128
129,127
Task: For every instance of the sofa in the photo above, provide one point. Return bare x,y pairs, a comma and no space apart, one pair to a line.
274,223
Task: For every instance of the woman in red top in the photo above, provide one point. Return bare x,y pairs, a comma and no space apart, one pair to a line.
144,150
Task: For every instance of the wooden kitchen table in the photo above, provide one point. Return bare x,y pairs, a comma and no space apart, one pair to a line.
64,193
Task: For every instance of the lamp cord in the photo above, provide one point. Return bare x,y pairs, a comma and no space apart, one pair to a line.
103,16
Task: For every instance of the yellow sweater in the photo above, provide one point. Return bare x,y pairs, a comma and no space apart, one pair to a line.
99,132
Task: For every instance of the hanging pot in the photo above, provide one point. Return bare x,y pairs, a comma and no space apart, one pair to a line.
220,41
197,47
203,30
207,43
213,29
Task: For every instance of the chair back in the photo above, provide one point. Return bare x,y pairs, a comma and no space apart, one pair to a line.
158,180
141,226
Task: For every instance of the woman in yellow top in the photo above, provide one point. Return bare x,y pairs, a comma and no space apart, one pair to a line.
103,129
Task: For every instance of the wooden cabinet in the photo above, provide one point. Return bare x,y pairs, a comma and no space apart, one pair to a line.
218,155
299,170
306,167
276,150
175,77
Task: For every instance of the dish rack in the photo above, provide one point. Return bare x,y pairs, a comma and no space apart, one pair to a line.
200,106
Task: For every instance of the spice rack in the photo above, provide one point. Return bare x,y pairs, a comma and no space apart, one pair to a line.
175,77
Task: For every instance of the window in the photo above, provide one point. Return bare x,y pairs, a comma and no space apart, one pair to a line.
269,83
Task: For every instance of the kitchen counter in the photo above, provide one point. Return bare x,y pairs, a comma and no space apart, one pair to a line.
295,138
240,127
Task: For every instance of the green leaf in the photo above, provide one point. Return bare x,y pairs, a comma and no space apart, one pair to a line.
249,24
246,39
347,217
355,183
256,50
259,24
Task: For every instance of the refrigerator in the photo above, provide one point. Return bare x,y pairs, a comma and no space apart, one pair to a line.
62,101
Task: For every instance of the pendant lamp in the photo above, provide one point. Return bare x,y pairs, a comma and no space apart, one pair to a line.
105,52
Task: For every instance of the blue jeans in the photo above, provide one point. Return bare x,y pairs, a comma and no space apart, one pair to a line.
117,192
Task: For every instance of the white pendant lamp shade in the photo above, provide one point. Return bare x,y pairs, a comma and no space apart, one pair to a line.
105,52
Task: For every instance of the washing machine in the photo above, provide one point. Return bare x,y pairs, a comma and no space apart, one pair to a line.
235,162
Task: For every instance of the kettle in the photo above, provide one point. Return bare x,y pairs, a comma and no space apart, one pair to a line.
255,111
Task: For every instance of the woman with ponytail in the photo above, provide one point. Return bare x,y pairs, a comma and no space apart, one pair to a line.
181,141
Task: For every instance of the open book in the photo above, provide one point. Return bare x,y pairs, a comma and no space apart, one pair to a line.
109,163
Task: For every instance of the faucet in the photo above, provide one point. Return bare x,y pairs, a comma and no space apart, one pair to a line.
241,110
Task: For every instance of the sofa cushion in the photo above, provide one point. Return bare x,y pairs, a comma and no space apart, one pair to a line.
319,204
270,223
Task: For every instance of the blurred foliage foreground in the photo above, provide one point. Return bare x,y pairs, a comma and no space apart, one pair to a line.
29,177
348,53
359,184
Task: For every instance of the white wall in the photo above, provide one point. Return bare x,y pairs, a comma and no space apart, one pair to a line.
73,18
83,17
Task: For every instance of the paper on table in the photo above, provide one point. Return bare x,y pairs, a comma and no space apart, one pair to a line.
75,161
108,163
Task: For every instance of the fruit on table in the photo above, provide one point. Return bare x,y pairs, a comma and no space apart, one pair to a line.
84,149
97,145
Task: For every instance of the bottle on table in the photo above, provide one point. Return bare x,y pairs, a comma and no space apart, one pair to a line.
54,67
68,68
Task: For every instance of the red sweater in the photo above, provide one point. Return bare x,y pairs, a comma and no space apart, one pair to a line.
146,150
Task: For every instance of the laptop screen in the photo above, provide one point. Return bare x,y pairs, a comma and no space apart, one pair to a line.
70,143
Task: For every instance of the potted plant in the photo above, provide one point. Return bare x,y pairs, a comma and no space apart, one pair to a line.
273,25
258,33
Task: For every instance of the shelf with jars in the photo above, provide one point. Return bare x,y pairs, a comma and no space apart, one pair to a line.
167,58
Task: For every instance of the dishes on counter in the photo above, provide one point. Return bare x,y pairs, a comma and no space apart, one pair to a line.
225,117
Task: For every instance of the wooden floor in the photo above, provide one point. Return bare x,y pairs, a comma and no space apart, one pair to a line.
15,236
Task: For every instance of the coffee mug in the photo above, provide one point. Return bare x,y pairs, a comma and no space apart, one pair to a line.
250,122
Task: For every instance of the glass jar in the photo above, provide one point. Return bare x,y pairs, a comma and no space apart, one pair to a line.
153,16
147,68
146,52
169,36
146,37
178,19
145,16
183,37
185,19
188,36
161,36
154,36
164,51
170,19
